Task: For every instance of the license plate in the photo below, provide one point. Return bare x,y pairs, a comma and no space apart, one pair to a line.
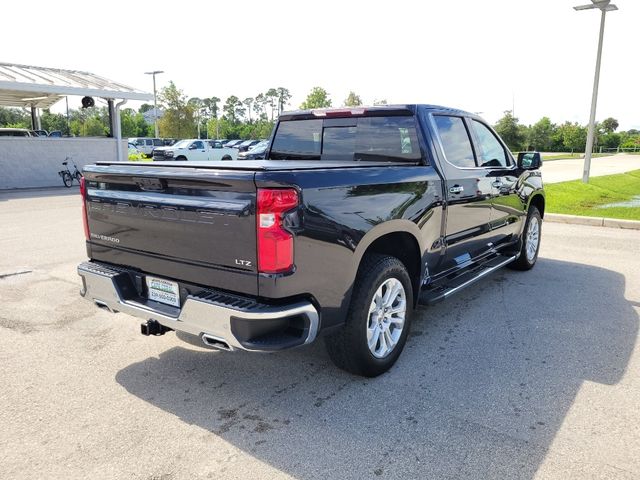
163,291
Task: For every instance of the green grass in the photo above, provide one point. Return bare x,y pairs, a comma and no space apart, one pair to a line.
577,198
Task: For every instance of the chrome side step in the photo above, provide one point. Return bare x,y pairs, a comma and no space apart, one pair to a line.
442,289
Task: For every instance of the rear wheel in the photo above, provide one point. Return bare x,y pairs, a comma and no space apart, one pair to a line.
378,320
530,241
226,157
67,179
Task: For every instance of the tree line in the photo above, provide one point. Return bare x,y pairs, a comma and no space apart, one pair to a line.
546,136
250,117
254,117
181,116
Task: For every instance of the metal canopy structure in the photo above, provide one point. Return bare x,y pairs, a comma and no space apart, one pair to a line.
41,87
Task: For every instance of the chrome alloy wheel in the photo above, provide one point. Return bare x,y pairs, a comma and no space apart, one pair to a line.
386,317
533,238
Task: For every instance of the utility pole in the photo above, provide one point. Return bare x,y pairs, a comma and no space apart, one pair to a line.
604,6
155,101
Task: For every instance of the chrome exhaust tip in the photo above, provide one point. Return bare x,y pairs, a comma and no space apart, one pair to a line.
215,342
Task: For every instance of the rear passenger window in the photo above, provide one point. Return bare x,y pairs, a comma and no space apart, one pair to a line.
455,141
149,142
491,153
157,142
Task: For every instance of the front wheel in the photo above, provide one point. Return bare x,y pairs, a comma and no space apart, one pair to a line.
67,179
78,176
530,241
378,320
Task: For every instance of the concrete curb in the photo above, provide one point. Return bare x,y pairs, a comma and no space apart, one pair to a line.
592,221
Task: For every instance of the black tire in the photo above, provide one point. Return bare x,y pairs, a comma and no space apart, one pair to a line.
526,261
227,157
67,179
78,176
181,158
348,348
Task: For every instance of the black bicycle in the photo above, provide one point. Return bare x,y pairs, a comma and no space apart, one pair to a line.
67,175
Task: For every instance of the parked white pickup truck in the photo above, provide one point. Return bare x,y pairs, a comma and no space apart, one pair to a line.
194,150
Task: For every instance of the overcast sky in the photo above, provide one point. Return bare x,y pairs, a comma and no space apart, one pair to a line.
478,55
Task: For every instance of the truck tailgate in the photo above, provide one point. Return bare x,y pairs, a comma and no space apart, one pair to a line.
186,223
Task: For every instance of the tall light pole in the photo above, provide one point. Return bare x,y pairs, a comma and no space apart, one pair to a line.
604,6
155,102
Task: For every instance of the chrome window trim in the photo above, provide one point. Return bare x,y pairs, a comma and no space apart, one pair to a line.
434,127
510,158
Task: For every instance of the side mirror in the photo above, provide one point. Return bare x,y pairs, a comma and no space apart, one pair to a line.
529,160
192,146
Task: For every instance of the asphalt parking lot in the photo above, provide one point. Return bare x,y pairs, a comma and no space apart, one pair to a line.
524,375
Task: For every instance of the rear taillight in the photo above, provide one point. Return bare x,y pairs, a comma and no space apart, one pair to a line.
85,220
275,244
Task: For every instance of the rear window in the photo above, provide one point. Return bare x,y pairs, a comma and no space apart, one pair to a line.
365,138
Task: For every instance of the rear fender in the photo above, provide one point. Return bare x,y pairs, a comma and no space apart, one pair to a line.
379,231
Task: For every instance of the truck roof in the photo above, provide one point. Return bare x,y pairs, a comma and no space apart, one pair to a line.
365,110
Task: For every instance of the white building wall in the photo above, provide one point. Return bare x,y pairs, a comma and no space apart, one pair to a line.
35,162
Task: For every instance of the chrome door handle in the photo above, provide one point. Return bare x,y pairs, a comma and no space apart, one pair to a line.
456,189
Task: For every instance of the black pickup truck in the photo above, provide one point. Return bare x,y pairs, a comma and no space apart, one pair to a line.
354,218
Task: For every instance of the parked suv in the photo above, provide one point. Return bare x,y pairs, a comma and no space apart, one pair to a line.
247,144
146,145
15,132
257,152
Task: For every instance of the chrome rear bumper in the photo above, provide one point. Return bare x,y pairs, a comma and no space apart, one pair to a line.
240,322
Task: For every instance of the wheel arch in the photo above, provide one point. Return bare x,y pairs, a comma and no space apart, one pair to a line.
538,201
400,239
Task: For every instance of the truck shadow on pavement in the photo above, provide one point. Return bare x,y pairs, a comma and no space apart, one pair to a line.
480,391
